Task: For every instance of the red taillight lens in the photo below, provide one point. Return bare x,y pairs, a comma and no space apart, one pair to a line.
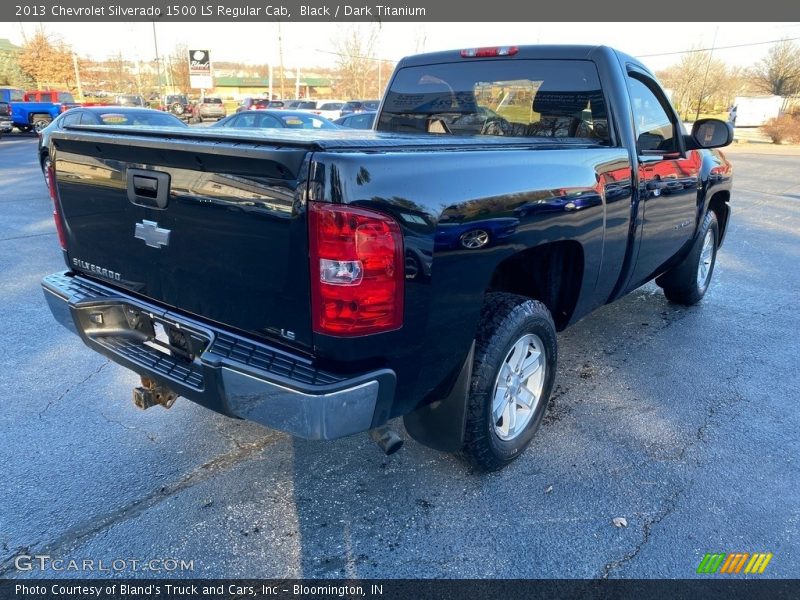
356,270
51,184
488,52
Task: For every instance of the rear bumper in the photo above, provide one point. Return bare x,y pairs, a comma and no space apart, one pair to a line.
228,373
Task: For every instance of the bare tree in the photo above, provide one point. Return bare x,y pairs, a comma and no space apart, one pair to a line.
179,68
699,83
779,72
356,64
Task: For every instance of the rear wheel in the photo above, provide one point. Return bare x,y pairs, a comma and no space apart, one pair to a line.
40,123
24,128
512,376
688,282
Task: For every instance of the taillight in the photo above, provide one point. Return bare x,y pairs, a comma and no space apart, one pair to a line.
51,184
356,270
490,51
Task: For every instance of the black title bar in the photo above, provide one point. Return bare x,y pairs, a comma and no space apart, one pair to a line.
656,14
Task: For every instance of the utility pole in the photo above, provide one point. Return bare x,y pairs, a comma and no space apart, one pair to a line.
158,67
297,82
705,77
270,81
280,56
77,75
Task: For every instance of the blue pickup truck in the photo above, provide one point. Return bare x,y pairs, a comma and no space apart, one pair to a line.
7,96
33,111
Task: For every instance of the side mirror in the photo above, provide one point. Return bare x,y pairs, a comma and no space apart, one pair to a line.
710,133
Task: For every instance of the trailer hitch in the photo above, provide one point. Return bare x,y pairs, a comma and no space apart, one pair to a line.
151,393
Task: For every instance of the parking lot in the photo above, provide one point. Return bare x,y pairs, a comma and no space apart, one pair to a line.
682,421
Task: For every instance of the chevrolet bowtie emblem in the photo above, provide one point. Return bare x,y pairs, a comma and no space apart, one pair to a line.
151,234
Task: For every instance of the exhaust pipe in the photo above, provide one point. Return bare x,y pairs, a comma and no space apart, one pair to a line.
387,439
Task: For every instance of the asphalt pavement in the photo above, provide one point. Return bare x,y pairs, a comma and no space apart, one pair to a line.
682,421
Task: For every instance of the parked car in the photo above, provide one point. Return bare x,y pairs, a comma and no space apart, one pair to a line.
361,120
177,104
285,294
330,109
101,115
276,104
54,96
129,100
210,108
253,104
7,96
275,119
39,108
357,106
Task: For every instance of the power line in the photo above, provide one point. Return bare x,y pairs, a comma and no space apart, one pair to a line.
693,50
345,54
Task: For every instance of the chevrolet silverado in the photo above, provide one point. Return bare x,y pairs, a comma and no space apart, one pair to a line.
324,282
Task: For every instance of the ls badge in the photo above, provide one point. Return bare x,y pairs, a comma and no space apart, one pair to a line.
151,234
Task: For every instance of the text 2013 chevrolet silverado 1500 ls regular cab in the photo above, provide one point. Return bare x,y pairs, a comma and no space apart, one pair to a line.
323,282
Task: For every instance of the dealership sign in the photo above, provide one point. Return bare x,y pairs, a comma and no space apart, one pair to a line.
200,70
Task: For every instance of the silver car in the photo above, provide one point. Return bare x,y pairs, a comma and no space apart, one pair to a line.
210,108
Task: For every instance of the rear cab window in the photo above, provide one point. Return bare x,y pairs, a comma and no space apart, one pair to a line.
514,98
15,95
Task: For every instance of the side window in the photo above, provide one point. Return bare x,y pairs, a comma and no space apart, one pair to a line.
361,121
71,118
268,121
655,131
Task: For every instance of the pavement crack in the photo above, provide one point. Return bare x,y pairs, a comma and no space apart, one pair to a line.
669,506
71,388
25,237
83,531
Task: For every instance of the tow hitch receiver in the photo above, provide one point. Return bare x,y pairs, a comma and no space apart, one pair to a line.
151,393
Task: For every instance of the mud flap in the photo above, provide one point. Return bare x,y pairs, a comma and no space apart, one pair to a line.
440,424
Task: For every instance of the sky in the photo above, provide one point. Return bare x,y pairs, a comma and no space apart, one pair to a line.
308,45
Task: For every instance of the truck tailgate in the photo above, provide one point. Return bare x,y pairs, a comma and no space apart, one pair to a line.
213,228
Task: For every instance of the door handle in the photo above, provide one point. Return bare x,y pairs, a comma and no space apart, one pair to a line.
145,186
148,188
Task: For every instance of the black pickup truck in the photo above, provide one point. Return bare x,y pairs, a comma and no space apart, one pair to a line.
324,282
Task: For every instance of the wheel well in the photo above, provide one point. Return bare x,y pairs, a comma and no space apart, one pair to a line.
551,273
719,204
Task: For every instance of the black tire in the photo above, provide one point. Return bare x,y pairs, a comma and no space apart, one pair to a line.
505,320
687,283
177,108
46,169
40,123
24,128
